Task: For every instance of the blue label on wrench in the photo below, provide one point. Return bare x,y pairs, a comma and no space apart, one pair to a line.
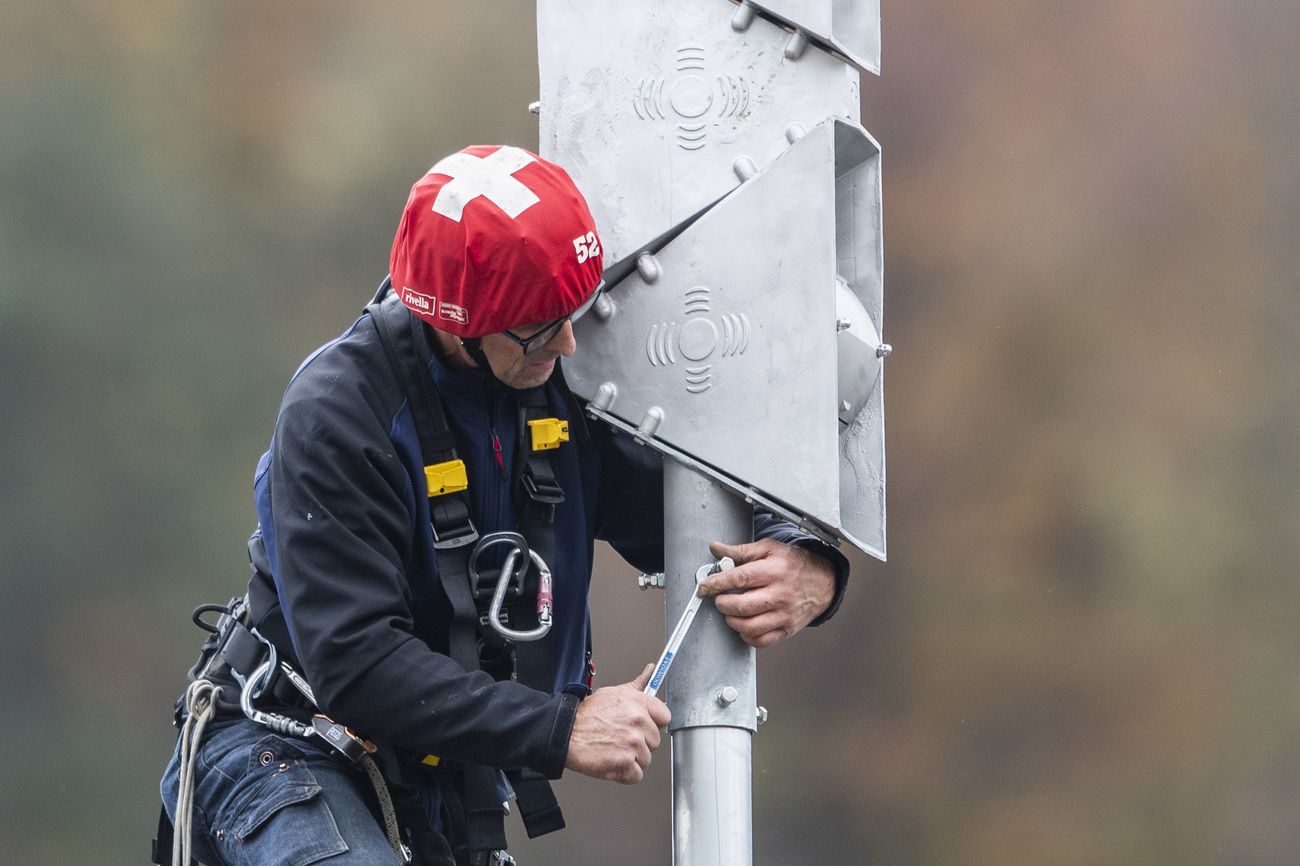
661,670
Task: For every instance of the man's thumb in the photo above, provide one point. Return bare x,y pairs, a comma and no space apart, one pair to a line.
736,551
643,678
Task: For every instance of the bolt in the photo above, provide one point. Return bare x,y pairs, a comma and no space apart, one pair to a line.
648,581
762,715
743,18
534,108
744,168
605,395
843,325
883,349
648,267
604,308
728,696
796,45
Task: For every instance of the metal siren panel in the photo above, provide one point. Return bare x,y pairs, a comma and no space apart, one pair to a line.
649,105
725,346
859,265
850,28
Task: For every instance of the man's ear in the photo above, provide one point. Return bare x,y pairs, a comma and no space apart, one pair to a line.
450,350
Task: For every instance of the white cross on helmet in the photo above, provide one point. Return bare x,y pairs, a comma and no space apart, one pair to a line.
491,177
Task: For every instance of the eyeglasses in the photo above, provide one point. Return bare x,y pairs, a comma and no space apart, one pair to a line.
534,342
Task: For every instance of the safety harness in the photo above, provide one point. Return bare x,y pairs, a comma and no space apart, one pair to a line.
536,490
495,627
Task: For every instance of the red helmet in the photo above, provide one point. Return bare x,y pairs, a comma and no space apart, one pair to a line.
493,238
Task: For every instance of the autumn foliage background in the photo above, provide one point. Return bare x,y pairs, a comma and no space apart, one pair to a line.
1084,648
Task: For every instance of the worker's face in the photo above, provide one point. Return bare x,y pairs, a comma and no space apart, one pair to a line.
518,370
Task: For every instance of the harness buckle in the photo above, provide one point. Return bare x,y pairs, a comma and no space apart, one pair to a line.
457,536
541,488
450,522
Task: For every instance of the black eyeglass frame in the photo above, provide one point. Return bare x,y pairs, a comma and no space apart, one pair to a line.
535,342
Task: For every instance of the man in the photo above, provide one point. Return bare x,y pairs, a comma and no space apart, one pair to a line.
403,463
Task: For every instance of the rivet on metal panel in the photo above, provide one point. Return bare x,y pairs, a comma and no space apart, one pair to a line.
604,308
796,45
794,132
883,349
654,417
743,17
648,267
605,395
744,168
535,107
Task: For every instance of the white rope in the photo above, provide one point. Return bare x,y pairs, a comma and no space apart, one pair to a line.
201,705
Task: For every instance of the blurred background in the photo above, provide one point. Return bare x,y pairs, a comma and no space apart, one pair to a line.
1085,646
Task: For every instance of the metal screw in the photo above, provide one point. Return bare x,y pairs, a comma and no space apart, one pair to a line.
762,715
728,696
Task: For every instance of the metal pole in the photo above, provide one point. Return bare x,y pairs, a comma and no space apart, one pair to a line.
712,688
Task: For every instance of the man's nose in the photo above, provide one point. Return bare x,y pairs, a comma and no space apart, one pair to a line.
564,342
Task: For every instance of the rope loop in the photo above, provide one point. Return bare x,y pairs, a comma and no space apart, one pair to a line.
201,706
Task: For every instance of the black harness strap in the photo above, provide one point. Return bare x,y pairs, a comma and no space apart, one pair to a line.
449,515
536,492
407,348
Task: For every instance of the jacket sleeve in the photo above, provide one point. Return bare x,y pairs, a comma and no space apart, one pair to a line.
630,502
343,531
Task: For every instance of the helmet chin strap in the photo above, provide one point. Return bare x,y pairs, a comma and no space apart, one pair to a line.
474,349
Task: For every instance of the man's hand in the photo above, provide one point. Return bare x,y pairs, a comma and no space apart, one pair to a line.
615,730
785,589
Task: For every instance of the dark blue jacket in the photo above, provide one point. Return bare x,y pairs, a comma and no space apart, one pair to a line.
345,580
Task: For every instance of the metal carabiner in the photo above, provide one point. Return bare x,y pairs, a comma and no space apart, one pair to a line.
545,600
254,687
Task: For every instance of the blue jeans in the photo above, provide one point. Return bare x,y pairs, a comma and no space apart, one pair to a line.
262,799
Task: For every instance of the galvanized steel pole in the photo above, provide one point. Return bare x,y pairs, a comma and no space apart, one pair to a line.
712,687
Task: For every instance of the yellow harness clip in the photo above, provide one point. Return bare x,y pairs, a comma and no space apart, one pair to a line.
446,477
549,433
